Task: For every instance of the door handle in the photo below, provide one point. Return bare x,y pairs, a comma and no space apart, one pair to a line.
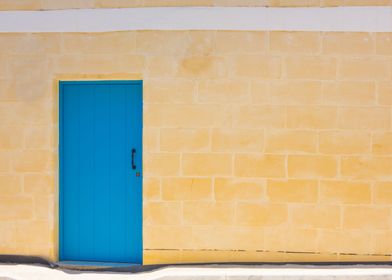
133,159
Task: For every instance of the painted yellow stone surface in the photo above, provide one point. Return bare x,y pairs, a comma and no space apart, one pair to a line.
85,4
258,146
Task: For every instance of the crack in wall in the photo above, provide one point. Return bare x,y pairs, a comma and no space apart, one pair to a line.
278,251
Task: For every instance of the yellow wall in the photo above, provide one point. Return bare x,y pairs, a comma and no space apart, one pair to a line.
258,146
68,4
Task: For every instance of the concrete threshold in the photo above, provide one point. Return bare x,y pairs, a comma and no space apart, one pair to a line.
32,272
84,265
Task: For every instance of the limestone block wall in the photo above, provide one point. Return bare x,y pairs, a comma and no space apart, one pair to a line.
77,4
258,146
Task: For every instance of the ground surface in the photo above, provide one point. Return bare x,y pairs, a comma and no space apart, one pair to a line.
31,272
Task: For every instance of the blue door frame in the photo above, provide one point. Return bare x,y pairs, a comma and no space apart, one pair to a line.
100,176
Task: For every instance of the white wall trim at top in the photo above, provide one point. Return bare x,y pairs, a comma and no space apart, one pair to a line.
350,19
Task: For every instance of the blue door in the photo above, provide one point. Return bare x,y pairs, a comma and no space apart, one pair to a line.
101,171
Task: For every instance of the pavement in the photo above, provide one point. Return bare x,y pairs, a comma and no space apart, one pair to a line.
35,272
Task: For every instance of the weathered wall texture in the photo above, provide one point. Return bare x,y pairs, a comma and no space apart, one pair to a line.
69,4
257,146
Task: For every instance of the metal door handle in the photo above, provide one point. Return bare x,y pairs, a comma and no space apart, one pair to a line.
133,159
